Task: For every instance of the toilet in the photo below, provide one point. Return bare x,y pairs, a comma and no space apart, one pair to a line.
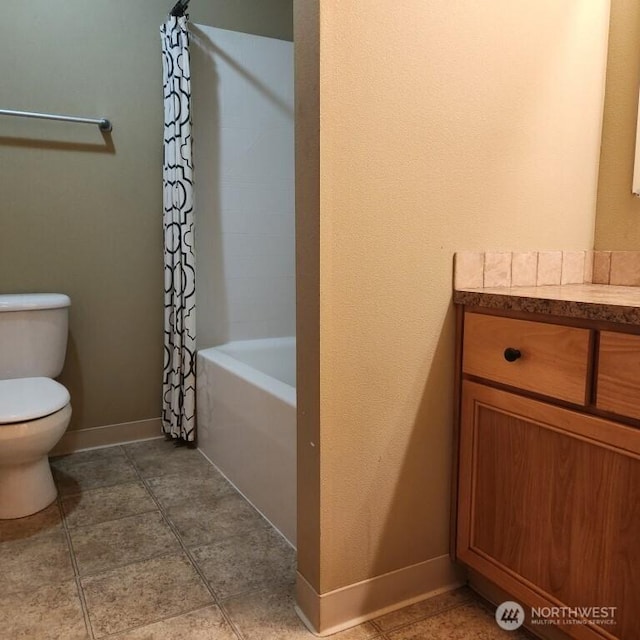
34,409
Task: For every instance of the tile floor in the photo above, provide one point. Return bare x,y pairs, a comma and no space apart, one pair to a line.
147,541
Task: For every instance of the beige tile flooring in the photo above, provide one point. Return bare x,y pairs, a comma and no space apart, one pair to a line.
147,541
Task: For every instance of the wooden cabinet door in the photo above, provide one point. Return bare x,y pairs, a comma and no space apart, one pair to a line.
547,510
618,385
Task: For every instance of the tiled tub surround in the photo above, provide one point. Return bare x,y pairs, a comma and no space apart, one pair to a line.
148,542
475,270
244,185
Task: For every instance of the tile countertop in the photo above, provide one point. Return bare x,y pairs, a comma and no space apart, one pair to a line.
588,301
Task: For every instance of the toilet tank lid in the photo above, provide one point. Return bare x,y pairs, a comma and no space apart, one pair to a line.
23,399
27,301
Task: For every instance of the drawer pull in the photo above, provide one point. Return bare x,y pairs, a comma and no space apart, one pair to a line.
511,354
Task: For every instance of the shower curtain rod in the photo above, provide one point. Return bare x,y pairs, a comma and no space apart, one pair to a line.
179,8
103,123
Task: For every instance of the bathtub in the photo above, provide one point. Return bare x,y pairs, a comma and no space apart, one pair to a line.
246,403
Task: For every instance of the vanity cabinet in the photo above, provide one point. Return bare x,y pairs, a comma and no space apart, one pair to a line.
548,483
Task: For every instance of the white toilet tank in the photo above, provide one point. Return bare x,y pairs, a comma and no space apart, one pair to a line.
33,334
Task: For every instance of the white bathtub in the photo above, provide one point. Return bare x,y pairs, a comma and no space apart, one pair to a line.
246,402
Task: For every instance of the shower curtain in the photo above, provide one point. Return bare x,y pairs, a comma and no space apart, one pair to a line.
178,389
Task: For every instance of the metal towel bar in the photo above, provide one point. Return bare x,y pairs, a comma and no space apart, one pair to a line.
103,123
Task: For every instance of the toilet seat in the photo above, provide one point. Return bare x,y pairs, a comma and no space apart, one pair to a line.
23,399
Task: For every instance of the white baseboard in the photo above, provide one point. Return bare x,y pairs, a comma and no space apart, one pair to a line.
328,613
108,435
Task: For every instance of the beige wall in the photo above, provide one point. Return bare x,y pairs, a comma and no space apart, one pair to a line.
618,212
443,126
307,193
82,214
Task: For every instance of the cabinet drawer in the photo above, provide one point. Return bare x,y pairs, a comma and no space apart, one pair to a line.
553,359
618,381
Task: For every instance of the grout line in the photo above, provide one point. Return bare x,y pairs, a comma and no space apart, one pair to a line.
95,524
80,490
99,488
76,572
159,508
170,617
445,609
161,554
185,550
78,577
484,265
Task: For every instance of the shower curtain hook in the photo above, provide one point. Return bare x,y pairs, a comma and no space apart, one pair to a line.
179,8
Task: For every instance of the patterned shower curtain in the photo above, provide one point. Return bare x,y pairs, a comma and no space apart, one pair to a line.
178,388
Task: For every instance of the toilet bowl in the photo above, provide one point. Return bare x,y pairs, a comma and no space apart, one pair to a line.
34,414
35,410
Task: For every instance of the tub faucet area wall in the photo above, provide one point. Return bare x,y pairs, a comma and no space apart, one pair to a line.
81,213
242,88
